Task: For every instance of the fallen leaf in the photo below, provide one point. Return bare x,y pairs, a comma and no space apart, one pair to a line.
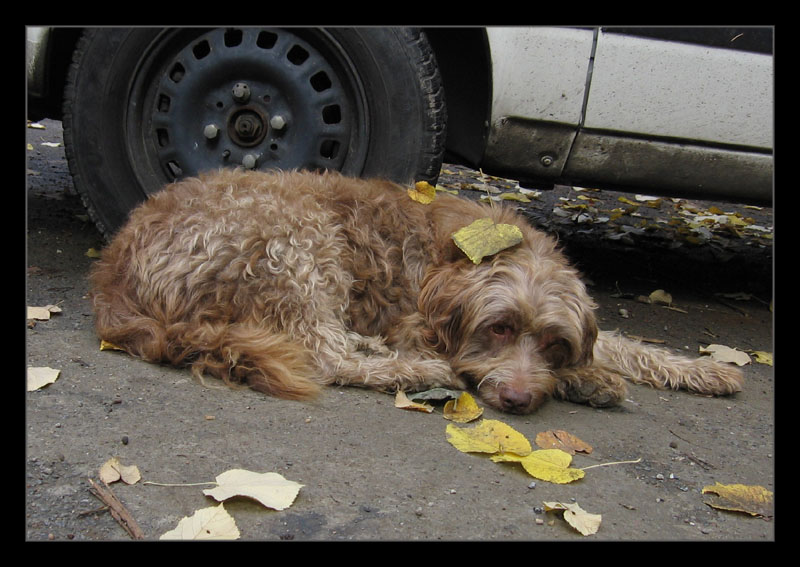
463,409
660,297
559,439
213,522
105,345
722,353
42,313
762,357
41,376
577,517
515,197
422,192
484,238
270,489
551,465
436,394
93,253
530,193
489,436
112,471
401,401
750,499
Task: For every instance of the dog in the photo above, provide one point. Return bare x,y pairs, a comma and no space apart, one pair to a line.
289,281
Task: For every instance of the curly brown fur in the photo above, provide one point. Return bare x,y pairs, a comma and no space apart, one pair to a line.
288,281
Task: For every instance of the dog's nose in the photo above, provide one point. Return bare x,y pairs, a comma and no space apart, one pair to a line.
515,401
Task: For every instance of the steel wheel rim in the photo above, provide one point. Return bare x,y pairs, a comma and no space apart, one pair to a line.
257,98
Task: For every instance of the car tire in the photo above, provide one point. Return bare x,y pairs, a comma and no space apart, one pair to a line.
145,107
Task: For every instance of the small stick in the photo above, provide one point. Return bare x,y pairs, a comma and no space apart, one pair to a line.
117,509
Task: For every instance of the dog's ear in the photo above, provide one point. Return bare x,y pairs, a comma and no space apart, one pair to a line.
440,303
585,328
589,338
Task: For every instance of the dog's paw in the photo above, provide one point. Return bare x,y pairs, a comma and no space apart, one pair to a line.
713,378
590,390
590,394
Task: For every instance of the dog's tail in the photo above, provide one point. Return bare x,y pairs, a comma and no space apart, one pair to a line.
237,353
644,364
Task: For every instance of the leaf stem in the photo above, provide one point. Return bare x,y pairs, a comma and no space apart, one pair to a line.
614,463
179,484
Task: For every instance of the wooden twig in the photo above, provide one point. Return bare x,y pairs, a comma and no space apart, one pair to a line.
117,509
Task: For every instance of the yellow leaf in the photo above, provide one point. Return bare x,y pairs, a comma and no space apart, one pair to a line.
628,201
401,401
270,489
423,192
559,439
489,436
207,523
551,465
722,353
576,516
112,471
105,345
515,197
93,253
660,297
463,409
484,238
750,499
762,357
41,376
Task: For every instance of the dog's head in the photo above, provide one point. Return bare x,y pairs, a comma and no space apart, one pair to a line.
507,323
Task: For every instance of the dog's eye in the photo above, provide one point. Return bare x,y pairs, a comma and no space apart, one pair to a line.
501,330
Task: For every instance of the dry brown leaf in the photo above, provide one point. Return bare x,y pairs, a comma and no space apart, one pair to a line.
559,439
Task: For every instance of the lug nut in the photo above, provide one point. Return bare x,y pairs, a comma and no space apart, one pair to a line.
210,131
241,92
547,160
249,161
277,122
